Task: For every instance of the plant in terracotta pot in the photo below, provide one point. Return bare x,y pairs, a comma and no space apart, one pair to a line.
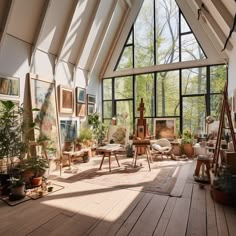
187,143
223,187
38,165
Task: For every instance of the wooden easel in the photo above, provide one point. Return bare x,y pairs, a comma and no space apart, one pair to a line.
142,123
225,110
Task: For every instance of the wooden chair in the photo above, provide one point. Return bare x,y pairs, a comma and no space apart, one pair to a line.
161,147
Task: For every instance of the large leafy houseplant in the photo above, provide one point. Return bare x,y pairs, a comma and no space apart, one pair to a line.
98,127
11,132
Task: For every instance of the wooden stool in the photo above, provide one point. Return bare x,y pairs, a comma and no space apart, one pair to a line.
202,160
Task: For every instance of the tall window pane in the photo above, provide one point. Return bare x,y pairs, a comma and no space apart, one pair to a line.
194,113
216,105
143,36
107,89
190,49
107,109
168,93
167,35
145,90
124,113
124,87
217,78
194,81
126,60
184,26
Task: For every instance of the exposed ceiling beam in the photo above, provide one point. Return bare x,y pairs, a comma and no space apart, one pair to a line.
86,34
106,62
205,13
224,13
121,38
40,27
91,60
64,39
7,13
159,68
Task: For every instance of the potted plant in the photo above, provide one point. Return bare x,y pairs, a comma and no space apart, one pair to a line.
187,143
85,137
223,189
12,145
17,187
37,165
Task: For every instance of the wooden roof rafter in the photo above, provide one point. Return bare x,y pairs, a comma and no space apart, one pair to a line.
7,13
59,56
206,15
42,21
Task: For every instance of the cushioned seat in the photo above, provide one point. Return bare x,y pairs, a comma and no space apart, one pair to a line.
161,147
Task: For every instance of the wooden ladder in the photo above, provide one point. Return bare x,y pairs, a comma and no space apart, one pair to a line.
225,110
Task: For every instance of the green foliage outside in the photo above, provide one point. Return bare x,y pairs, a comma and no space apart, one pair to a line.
167,90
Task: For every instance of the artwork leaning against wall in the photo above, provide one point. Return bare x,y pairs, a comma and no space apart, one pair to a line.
43,98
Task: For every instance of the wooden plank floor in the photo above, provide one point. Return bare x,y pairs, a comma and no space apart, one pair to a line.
82,208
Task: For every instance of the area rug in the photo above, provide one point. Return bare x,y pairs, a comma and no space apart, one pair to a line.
160,180
31,194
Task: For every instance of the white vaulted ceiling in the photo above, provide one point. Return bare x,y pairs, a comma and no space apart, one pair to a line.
89,34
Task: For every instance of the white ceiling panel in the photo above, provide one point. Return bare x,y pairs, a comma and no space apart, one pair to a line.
96,33
25,18
55,25
113,31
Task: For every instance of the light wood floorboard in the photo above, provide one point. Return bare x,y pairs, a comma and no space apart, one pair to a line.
83,208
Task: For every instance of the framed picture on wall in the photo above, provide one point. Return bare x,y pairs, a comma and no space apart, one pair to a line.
9,86
91,99
68,130
66,99
164,128
81,109
80,95
91,109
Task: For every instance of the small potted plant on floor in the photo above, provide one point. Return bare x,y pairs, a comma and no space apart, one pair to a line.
17,188
223,189
38,165
187,143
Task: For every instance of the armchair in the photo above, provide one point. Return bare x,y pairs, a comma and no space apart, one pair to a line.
161,147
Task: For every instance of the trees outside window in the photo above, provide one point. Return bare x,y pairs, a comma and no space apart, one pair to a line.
161,35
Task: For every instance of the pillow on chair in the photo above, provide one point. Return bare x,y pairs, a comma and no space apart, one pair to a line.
160,148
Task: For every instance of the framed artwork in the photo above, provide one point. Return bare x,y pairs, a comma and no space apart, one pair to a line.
164,128
66,100
91,109
43,97
80,95
81,109
9,86
118,134
68,130
91,99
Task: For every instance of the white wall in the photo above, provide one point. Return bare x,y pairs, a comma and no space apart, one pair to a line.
14,61
232,71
